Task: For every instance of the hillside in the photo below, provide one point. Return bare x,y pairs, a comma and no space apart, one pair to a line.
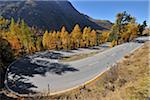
51,15
105,23
102,23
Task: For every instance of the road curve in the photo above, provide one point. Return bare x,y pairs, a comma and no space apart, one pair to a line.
24,77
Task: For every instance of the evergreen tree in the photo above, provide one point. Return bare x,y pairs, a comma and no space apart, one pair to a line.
142,27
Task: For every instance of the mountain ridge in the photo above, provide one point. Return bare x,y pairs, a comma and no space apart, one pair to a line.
47,15
103,23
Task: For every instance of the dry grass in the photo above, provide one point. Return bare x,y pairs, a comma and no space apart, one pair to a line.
128,80
78,56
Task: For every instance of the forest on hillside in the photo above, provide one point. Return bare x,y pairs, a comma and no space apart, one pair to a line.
18,39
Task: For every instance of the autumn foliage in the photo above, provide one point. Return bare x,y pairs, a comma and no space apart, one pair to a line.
66,41
125,29
24,39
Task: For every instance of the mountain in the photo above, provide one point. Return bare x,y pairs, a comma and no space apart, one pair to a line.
102,23
51,15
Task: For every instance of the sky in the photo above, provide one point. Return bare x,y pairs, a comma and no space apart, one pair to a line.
107,9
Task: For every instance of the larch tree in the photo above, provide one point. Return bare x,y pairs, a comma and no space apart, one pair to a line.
93,36
62,37
12,26
26,37
104,37
39,45
14,42
3,24
76,36
53,40
84,37
88,34
59,41
65,39
45,40
50,40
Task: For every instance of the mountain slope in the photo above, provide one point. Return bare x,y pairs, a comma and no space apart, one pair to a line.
103,23
51,15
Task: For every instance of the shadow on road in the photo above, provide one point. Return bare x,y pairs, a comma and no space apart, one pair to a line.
47,54
104,46
92,48
22,69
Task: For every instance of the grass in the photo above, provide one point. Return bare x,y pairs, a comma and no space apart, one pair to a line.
78,56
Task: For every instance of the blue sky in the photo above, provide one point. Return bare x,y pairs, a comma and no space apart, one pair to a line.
107,9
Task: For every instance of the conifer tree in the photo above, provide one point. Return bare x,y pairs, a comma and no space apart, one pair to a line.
3,24
84,37
59,41
121,30
76,36
45,40
53,40
65,39
12,26
50,40
88,37
104,37
14,42
26,37
93,39
39,45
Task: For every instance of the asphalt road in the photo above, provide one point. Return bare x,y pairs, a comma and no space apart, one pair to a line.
25,77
